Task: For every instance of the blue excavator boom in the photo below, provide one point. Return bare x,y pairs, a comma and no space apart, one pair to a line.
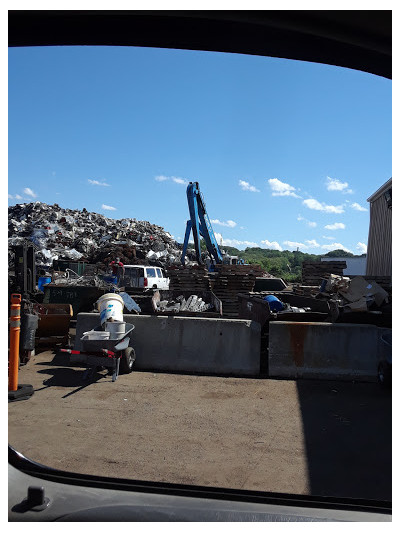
199,224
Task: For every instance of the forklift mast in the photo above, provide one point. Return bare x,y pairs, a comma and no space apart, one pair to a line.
25,266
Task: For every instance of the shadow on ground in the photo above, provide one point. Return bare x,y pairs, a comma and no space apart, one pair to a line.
70,378
63,376
59,359
348,435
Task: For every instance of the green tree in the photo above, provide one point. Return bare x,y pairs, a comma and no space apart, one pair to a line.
339,253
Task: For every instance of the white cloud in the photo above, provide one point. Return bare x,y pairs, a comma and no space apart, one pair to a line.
312,244
16,197
293,245
108,207
336,225
180,181
271,245
362,247
234,242
329,238
96,182
358,207
245,185
335,246
29,192
337,185
237,244
308,222
311,203
228,223
279,188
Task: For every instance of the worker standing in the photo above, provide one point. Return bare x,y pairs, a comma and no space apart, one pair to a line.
118,268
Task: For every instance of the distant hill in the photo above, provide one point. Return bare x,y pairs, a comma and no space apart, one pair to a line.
285,264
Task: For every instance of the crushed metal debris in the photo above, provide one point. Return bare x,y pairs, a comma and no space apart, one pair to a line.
180,304
78,235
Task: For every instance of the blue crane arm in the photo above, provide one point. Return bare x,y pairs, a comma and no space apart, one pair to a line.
207,231
200,225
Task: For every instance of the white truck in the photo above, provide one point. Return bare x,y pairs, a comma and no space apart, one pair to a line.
144,277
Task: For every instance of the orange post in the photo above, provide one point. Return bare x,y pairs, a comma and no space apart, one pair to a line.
15,327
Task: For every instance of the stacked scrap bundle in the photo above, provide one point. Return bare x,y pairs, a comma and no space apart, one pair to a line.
194,304
314,272
194,278
232,280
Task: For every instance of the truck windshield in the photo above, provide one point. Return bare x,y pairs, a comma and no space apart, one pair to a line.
277,396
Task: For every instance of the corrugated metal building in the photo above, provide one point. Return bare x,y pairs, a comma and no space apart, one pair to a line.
379,253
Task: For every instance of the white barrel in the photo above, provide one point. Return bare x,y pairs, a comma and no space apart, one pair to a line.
111,306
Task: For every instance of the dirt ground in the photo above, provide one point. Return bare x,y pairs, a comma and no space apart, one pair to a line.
304,437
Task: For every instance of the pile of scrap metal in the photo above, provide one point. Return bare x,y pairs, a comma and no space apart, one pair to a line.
193,304
70,278
357,299
82,236
186,303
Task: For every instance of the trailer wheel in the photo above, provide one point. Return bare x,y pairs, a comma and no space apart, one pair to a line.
128,357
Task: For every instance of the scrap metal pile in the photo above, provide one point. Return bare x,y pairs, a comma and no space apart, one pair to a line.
88,280
180,304
79,235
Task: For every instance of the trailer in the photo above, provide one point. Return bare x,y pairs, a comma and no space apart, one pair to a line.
113,353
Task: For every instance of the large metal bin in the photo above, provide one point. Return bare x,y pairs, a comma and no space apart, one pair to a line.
80,297
77,266
252,306
54,320
269,284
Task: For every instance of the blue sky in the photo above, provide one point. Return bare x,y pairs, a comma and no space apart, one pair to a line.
286,152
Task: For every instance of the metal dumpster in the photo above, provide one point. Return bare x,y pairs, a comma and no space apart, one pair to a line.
82,298
54,320
252,306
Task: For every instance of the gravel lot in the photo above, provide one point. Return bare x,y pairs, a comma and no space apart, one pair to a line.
323,438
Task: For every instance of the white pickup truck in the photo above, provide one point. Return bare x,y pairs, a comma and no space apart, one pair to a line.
144,277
